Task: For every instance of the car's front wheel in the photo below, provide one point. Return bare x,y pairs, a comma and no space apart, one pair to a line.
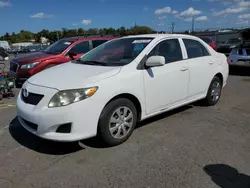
214,92
117,121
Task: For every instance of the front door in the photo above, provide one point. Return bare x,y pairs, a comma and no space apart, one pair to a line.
166,86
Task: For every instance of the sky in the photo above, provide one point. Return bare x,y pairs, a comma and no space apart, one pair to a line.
35,15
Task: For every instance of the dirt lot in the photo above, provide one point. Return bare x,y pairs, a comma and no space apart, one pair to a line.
191,147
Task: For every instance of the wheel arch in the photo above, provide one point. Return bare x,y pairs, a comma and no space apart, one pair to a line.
220,76
133,99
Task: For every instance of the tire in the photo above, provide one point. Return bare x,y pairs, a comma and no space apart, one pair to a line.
105,125
1,96
214,92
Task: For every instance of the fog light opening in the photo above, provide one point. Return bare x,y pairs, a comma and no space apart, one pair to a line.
65,128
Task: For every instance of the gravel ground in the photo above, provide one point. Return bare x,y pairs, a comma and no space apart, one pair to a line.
191,147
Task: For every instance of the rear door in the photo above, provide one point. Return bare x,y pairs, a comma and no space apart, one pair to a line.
202,67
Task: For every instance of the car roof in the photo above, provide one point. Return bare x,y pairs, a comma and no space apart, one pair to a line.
83,38
161,36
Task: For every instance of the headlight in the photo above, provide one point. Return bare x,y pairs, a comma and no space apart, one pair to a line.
29,66
66,97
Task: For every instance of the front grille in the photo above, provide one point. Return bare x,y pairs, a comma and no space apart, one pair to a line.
32,98
13,66
30,125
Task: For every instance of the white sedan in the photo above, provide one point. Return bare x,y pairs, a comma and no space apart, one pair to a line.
121,82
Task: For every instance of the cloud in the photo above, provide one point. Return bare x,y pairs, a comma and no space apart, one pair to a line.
244,4
74,24
229,11
243,22
165,10
86,22
190,12
244,16
201,18
189,19
160,24
162,17
5,4
41,15
240,6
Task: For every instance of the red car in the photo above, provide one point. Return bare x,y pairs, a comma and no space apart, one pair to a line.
209,41
62,51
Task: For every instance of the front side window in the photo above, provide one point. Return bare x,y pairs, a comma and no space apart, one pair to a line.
195,48
170,49
58,47
81,48
117,52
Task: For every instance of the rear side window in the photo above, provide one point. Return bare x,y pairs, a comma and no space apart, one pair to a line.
170,49
81,48
98,42
195,48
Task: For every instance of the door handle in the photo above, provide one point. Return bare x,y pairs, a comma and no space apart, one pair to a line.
211,62
184,68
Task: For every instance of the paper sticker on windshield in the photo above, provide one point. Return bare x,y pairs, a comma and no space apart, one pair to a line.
67,43
141,41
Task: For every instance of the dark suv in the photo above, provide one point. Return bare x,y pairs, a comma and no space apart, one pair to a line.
62,51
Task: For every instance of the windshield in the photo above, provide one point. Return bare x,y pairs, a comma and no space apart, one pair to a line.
58,47
116,52
232,41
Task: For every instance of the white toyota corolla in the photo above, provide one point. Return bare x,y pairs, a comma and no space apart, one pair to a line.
123,81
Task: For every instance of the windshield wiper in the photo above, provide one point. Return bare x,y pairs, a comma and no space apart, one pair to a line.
92,62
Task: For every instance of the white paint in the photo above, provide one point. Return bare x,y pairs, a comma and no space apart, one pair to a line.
158,89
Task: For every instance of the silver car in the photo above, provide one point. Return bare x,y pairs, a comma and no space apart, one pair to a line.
240,56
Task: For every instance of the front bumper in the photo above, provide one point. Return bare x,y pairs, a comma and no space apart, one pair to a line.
83,119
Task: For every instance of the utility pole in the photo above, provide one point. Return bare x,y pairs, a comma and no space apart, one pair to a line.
193,25
173,24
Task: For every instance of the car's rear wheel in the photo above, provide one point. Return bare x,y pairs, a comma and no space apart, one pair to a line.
117,121
214,92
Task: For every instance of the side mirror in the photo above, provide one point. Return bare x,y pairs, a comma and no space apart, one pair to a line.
72,55
155,61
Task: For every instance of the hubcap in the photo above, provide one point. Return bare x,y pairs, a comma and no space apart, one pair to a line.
215,93
121,122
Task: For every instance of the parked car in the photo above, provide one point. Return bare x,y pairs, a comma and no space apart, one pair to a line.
119,83
209,41
62,51
240,55
229,45
3,54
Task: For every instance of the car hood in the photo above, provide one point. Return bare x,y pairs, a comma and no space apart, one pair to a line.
72,75
33,57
